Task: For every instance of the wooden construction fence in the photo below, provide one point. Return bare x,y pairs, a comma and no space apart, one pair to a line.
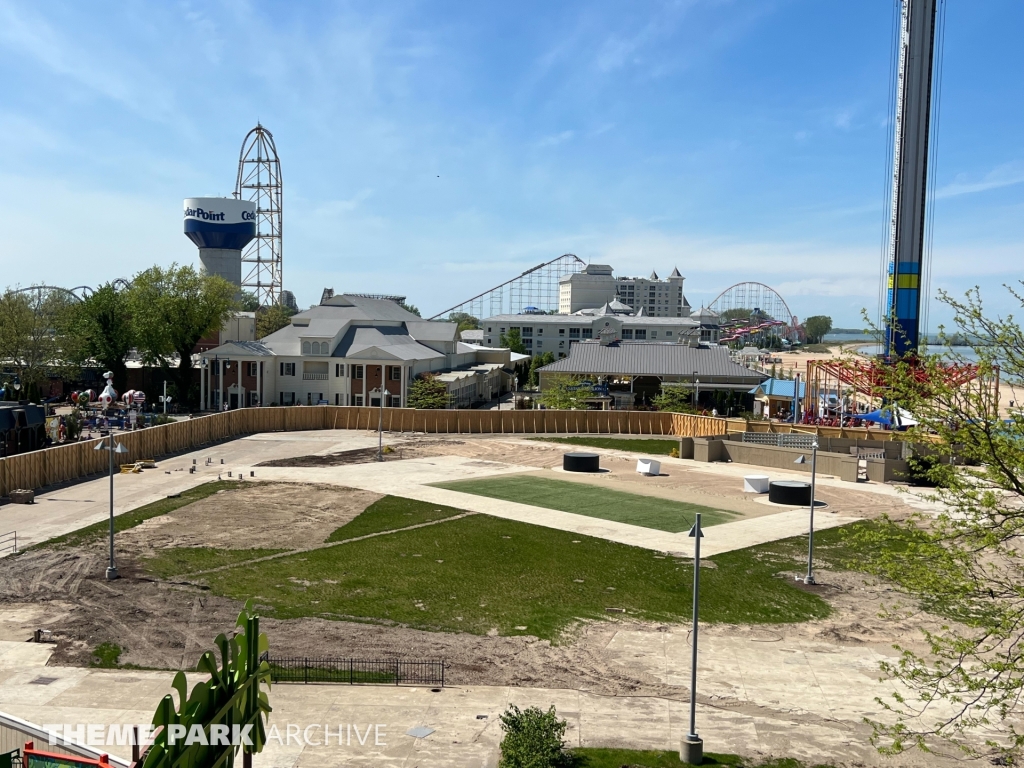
69,462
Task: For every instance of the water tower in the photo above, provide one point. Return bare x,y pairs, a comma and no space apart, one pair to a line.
221,227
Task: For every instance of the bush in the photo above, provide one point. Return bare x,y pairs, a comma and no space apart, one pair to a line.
533,739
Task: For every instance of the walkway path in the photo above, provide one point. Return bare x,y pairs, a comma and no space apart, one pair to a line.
759,716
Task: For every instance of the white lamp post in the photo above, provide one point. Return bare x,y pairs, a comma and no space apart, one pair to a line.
113,448
380,419
809,578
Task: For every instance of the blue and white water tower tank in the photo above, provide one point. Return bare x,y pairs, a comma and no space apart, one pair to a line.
221,227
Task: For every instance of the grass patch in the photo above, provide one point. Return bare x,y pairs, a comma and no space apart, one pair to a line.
481,572
390,513
177,561
589,757
97,531
651,446
313,674
106,656
593,501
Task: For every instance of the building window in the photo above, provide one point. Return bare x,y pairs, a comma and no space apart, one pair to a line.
588,333
540,331
574,333
488,329
627,333
339,371
561,355
561,331
254,398
287,398
252,369
359,399
396,373
305,348
668,334
287,369
528,343
357,371
641,333
654,334
527,331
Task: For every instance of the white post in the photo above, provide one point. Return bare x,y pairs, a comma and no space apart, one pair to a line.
165,397
259,383
202,383
220,368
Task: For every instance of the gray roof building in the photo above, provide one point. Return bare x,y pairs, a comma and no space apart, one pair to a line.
668,362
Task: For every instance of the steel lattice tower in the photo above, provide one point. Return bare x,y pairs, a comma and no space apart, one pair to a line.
259,180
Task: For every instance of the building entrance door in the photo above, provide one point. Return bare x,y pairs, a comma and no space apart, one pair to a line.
234,400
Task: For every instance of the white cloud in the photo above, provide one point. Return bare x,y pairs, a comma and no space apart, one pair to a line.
556,138
1001,176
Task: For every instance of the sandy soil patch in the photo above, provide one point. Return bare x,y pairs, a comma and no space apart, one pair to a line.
271,515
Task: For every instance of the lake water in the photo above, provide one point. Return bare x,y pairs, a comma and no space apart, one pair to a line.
964,352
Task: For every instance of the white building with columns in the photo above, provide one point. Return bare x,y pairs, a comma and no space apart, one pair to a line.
349,350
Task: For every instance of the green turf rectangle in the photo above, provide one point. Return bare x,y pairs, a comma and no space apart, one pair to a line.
593,501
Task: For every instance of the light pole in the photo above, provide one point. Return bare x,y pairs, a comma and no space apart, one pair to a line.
692,749
380,420
695,385
809,578
113,448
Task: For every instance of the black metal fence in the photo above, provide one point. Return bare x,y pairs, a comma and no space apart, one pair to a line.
310,669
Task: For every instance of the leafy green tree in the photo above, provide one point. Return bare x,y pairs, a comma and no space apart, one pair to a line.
512,340
735,314
174,308
966,564
106,328
816,327
533,739
536,362
270,319
564,393
465,321
410,308
428,392
248,302
675,398
36,336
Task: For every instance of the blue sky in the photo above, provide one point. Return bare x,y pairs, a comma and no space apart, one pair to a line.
437,149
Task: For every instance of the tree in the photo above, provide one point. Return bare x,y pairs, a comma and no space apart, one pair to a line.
966,564
106,328
816,327
536,362
270,319
36,336
410,308
248,302
465,321
735,314
174,308
428,392
513,341
564,393
677,399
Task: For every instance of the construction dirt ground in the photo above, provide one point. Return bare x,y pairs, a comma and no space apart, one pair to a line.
167,624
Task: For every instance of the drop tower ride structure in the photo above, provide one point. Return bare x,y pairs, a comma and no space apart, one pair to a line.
906,252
